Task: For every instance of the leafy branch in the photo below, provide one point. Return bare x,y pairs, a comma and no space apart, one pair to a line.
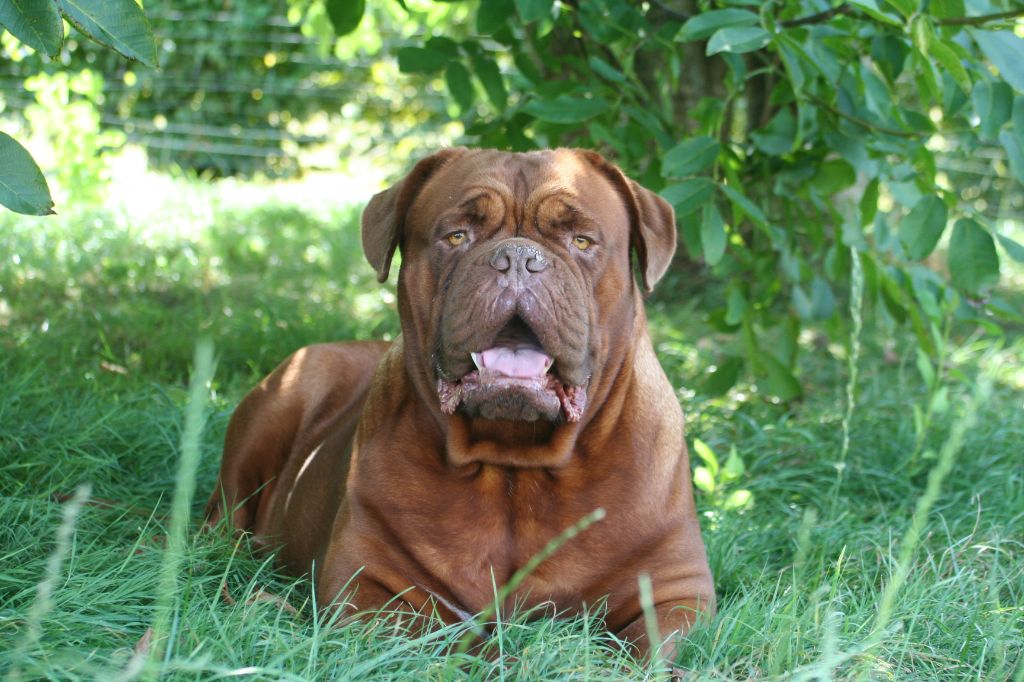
849,10
118,24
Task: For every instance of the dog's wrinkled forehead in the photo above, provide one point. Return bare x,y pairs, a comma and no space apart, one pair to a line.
520,183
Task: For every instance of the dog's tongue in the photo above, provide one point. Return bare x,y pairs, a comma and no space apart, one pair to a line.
521,363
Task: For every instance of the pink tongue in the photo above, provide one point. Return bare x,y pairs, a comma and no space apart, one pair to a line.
522,363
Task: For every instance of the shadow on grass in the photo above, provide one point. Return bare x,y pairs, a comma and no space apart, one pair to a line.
92,295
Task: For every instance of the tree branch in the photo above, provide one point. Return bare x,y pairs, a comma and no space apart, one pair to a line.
848,10
867,125
817,18
982,19
673,14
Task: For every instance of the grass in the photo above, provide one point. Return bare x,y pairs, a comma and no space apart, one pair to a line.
100,314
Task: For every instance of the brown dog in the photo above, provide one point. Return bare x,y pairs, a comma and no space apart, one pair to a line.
522,395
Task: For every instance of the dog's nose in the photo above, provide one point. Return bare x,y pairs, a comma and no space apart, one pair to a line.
518,258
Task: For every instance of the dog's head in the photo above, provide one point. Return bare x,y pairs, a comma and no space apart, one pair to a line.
516,287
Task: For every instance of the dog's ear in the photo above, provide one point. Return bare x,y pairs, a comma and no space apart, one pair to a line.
653,231
384,217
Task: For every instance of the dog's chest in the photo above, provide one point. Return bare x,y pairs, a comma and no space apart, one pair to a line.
489,528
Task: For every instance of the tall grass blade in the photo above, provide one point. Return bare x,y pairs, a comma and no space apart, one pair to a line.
650,615
43,603
556,543
938,474
852,363
185,481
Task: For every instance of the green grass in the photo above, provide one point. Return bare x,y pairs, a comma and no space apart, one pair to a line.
100,313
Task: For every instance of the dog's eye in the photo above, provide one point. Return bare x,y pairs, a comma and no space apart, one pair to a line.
581,242
457,238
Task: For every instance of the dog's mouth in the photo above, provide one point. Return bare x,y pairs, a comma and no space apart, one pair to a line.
515,379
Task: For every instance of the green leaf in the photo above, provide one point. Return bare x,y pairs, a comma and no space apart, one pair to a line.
566,109
833,176
487,71
34,22
738,40
460,85
493,15
688,195
973,262
445,46
925,368
1013,249
533,10
1006,52
823,302
921,229
119,24
421,60
735,306
703,479
745,206
947,9
702,25
905,7
722,378
869,203
707,455
877,96
345,15
872,9
993,102
712,235
738,499
778,136
775,379
890,54
605,70
689,157
790,52
1018,118
733,468
801,303
949,60
1013,141
1014,152
22,185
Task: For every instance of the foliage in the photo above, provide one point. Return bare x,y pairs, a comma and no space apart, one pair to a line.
117,24
790,137
73,141
248,86
713,478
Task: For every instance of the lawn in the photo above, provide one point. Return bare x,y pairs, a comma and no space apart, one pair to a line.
819,566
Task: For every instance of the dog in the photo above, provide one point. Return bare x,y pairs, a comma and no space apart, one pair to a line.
522,395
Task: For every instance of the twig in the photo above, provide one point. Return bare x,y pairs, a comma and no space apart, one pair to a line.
671,13
867,125
848,10
817,18
981,19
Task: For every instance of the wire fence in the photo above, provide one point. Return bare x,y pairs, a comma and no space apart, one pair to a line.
234,90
